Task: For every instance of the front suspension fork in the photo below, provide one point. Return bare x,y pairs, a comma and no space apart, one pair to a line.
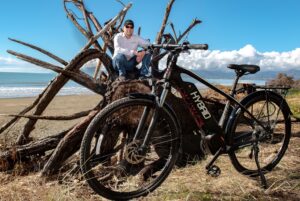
158,105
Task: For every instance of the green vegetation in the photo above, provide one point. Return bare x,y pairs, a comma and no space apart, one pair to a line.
294,93
293,99
293,96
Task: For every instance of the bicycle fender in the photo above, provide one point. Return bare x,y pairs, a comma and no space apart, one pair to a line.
142,95
258,93
152,98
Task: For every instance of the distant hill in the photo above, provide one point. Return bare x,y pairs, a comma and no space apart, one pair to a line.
229,74
261,75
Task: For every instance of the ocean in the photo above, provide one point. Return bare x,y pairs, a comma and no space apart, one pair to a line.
17,85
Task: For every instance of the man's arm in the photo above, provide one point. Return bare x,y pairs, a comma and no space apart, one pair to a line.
143,43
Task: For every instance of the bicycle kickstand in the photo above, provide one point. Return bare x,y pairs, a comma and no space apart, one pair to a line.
260,172
212,169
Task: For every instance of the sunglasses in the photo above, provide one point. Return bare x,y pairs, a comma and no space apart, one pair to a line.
129,27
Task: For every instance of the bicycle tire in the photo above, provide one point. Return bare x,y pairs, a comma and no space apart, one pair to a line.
165,143
273,147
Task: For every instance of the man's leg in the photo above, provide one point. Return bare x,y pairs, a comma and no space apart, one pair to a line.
131,70
123,66
144,70
131,64
119,63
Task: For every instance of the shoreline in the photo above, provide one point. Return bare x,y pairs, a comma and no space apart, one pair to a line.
58,95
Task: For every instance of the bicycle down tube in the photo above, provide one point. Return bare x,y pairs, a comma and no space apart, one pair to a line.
195,102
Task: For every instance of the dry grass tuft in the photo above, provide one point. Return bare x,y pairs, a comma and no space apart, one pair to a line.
190,183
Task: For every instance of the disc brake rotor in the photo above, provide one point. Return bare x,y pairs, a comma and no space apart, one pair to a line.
132,153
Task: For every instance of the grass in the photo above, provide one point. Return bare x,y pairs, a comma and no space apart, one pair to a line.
294,92
293,99
190,184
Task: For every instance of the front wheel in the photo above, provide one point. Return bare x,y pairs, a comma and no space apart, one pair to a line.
272,111
113,161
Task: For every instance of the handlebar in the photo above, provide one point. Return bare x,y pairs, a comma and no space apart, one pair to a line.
180,46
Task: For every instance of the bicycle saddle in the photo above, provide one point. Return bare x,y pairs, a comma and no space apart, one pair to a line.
244,68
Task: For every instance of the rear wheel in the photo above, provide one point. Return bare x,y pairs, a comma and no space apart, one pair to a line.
114,164
272,111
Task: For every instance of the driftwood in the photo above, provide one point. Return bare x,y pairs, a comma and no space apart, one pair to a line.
20,153
56,118
60,143
63,150
160,33
53,89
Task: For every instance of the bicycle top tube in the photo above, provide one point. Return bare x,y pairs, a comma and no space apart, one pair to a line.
173,74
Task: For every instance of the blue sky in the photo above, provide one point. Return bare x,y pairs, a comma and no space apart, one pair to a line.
232,28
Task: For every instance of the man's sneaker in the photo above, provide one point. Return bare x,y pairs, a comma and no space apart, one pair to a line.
144,77
121,78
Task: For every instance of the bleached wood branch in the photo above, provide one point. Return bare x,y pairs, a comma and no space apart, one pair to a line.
79,77
107,26
164,23
56,118
60,60
194,23
16,153
177,40
63,150
161,32
174,32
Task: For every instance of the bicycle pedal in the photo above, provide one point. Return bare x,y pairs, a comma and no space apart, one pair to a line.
214,171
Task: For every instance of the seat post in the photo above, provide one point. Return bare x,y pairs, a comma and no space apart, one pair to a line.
224,116
238,76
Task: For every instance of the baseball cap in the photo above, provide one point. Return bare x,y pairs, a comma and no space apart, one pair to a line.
128,22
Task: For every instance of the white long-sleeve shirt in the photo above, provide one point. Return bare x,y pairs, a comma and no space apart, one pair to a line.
127,46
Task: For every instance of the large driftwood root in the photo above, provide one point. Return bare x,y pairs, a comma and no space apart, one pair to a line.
39,150
51,163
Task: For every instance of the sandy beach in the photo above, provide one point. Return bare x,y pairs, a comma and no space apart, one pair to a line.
61,105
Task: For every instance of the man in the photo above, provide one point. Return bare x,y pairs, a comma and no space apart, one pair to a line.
126,56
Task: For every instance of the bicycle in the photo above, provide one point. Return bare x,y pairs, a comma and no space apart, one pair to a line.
131,146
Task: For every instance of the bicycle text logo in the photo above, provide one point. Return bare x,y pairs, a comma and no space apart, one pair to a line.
200,104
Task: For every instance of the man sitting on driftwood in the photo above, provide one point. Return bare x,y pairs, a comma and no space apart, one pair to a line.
126,56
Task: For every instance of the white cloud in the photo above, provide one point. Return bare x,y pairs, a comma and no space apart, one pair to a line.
197,59
8,64
219,60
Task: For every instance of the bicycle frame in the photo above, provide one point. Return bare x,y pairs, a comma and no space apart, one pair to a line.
194,100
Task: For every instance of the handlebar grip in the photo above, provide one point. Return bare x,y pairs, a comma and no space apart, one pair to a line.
198,46
164,46
183,46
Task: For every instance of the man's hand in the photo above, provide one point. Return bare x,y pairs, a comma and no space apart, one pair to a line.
140,56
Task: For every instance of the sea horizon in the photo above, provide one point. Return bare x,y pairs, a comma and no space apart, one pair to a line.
22,85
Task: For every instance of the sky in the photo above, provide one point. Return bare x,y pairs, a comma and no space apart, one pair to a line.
262,32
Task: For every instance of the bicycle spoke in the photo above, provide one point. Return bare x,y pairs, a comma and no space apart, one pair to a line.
272,141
